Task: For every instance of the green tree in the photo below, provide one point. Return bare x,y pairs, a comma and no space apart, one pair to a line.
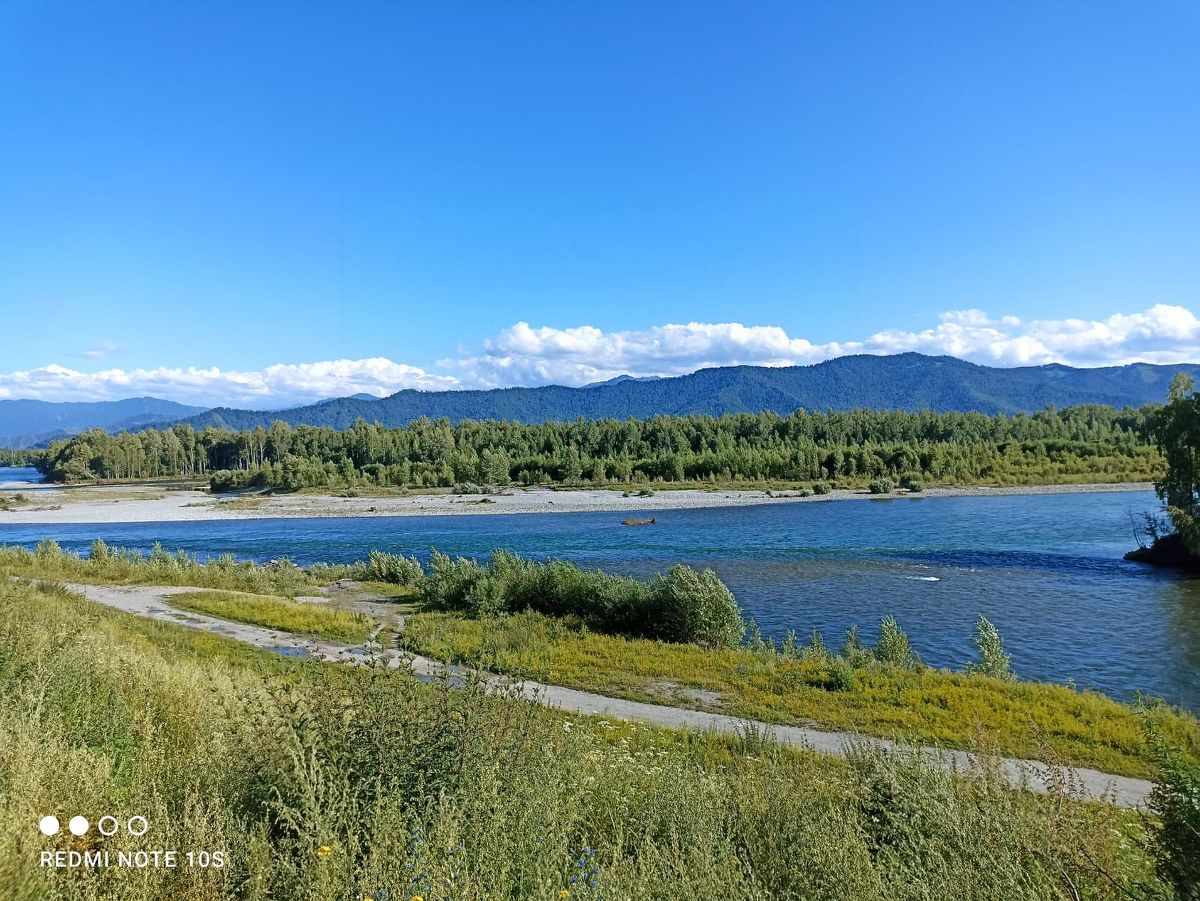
1176,431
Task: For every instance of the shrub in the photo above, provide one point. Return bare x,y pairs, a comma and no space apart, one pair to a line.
697,607
48,551
854,651
841,674
893,647
682,606
992,659
881,486
1176,802
912,483
821,488
393,568
816,650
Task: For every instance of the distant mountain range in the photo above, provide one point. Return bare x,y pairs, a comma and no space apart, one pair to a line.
901,382
31,423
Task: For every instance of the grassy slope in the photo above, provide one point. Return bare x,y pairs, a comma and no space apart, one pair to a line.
1021,719
119,568
288,615
324,783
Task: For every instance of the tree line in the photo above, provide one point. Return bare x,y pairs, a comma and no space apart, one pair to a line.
19,457
1094,443
1175,431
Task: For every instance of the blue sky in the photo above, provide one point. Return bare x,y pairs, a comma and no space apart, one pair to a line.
192,193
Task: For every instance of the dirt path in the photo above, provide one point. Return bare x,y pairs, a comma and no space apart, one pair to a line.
152,602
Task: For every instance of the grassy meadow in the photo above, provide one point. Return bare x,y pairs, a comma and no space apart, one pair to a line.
812,687
323,783
285,614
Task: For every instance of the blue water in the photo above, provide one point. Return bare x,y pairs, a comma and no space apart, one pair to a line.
19,475
1047,570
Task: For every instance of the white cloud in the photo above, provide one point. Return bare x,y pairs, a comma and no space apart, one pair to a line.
524,355
284,384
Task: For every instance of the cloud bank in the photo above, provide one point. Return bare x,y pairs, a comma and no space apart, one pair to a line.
524,355
284,384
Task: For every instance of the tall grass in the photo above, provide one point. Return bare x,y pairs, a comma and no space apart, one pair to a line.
322,783
108,565
809,685
301,617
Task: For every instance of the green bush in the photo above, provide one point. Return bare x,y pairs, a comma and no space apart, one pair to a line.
881,486
841,674
697,607
682,606
855,652
912,483
992,659
1176,802
893,647
393,568
821,488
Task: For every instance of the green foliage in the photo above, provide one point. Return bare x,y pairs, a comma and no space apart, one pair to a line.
20,457
159,567
881,486
893,647
821,488
852,692
696,607
1176,432
1176,801
912,483
841,674
395,569
1089,444
854,651
682,606
324,783
992,659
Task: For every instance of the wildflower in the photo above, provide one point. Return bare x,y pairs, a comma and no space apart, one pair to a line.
564,894
417,898
324,851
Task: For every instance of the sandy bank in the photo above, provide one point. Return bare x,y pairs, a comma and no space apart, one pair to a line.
121,504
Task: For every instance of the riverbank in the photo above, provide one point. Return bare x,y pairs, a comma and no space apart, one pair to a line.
51,504
381,783
159,603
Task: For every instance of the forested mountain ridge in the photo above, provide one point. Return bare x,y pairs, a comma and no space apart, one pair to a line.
26,423
908,382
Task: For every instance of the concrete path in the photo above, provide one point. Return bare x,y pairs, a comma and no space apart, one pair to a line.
152,602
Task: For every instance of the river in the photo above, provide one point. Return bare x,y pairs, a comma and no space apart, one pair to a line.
1046,569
